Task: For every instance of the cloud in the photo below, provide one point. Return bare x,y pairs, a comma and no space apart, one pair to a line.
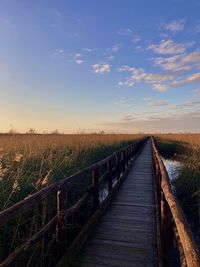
57,20
158,103
139,75
160,81
88,49
116,48
179,62
78,59
193,78
101,68
110,58
123,102
169,47
58,52
135,38
160,87
125,31
175,25
197,27
172,119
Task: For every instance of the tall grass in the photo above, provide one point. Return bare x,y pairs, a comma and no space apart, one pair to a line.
30,162
186,147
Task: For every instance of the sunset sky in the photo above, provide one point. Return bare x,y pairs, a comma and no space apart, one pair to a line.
90,65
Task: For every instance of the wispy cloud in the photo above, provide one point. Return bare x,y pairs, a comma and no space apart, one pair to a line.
197,27
160,81
78,58
193,78
179,62
125,31
101,68
123,102
169,47
58,52
134,37
89,49
139,75
116,48
171,119
175,25
110,58
57,20
158,103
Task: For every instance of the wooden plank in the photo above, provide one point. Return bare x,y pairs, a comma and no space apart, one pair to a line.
129,223
114,262
189,247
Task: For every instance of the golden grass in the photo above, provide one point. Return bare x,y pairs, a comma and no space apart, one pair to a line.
192,139
30,162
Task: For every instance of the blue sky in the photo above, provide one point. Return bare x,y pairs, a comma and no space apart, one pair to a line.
119,66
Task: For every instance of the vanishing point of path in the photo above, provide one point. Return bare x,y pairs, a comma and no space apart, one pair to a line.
126,234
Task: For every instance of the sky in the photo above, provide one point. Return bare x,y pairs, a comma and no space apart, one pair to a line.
121,66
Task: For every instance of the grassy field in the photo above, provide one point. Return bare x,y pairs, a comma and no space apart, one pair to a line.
186,148
30,162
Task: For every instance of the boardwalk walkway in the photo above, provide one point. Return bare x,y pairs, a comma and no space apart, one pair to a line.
126,234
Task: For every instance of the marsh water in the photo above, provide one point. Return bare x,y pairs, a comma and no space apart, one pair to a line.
173,168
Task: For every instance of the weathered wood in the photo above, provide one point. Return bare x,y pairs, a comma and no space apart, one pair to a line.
118,169
110,177
157,189
83,235
61,229
70,180
11,259
26,204
77,206
95,183
60,189
130,221
187,241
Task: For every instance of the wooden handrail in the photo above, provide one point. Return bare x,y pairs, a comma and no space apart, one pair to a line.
184,233
117,166
25,204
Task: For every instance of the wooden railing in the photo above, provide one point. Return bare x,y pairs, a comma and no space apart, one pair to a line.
173,231
38,230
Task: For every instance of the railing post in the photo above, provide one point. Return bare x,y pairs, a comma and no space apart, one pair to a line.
61,230
123,162
132,152
110,178
95,183
118,168
166,232
129,155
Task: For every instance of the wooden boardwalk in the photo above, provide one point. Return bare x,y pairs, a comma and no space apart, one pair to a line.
126,234
143,225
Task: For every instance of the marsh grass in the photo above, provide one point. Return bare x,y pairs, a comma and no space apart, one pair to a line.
186,148
29,163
